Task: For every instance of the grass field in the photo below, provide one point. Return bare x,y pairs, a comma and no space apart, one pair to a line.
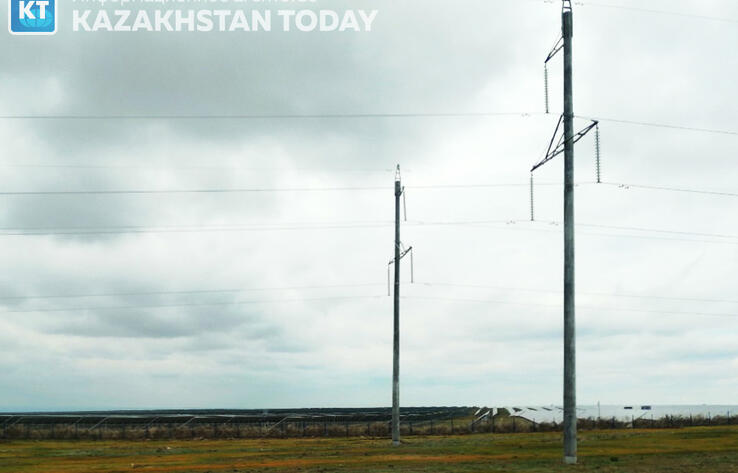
712,450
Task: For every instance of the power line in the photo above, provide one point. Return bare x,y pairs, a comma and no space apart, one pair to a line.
672,189
557,224
75,166
347,116
664,125
237,226
593,308
510,224
338,298
187,292
590,294
194,191
653,230
590,3
722,238
482,186
243,190
314,116
521,225
191,304
193,229
349,286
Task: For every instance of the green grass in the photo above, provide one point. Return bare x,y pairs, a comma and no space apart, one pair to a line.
712,450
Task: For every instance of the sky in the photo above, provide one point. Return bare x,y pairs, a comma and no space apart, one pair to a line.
278,298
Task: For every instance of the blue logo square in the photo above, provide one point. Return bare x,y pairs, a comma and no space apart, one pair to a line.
29,17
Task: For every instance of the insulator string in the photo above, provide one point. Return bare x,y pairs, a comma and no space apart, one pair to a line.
545,82
532,201
412,267
598,154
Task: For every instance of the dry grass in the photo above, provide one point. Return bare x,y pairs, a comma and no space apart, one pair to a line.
713,450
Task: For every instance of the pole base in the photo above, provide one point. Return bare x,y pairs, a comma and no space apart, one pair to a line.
395,443
570,460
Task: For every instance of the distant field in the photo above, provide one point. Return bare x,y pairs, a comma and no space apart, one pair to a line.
699,449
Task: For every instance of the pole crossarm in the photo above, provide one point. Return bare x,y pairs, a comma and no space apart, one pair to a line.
561,145
402,255
412,269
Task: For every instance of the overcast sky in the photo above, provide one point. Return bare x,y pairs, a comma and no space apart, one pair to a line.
312,326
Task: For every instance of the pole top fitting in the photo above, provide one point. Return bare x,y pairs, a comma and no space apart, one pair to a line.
566,6
567,26
397,174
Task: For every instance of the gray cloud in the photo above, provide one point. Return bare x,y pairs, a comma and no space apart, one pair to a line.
308,330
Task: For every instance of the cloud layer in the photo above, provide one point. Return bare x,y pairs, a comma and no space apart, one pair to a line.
278,299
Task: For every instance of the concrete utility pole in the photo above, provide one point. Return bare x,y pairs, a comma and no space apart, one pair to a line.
565,145
396,342
570,380
400,253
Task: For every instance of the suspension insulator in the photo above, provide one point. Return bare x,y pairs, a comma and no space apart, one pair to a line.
597,154
532,201
545,85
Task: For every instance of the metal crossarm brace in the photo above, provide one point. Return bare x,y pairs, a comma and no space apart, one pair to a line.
412,269
555,50
561,146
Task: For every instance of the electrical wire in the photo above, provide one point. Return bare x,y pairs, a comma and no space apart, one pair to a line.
585,225
193,229
582,293
243,190
315,116
188,292
193,191
653,230
671,189
341,298
224,226
352,286
512,224
663,125
194,167
590,3
593,308
183,305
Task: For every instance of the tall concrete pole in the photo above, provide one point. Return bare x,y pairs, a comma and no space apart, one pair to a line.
570,386
396,343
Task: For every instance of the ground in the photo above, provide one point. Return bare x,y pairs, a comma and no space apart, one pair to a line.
712,450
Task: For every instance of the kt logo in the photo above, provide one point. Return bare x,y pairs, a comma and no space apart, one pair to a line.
28,17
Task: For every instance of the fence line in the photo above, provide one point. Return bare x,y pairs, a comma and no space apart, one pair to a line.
191,428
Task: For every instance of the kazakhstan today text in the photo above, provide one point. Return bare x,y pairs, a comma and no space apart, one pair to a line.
238,20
